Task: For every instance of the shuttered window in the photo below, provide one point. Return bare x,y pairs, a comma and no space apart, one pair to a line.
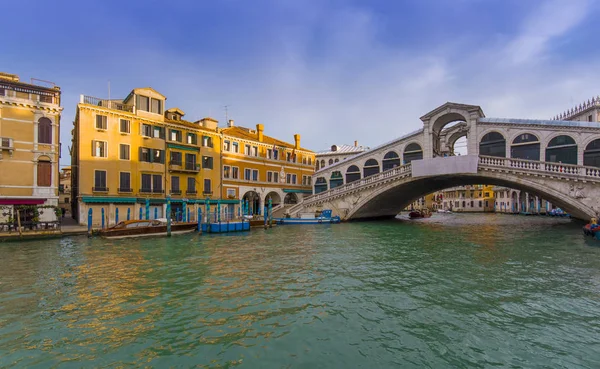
123,152
44,174
44,131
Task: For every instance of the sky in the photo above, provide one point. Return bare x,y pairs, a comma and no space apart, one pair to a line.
334,71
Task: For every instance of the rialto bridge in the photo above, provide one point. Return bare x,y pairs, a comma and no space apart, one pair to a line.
557,160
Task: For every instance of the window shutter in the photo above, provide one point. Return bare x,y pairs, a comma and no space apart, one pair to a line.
93,148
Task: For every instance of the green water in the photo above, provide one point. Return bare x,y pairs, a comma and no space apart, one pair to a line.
452,291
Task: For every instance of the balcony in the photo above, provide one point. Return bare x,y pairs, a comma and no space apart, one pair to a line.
207,193
145,190
125,190
110,104
99,189
175,192
191,192
176,166
158,190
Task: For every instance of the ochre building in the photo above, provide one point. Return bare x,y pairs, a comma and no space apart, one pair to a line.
29,145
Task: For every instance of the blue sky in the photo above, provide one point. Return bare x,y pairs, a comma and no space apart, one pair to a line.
333,71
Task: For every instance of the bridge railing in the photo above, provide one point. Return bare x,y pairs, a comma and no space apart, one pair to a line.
394,172
560,169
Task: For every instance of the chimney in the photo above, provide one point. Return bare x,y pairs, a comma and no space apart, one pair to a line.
297,141
355,143
259,132
208,123
230,123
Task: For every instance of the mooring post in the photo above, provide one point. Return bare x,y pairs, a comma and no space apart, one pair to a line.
117,216
266,215
199,219
89,222
169,216
128,213
102,218
141,214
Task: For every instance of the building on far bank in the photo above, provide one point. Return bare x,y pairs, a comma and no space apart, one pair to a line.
130,154
64,190
472,198
257,167
336,154
509,200
29,145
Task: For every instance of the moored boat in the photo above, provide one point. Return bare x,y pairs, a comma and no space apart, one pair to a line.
146,228
592,229
415,214
310,218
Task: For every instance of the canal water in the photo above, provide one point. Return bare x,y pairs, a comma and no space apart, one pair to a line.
452,291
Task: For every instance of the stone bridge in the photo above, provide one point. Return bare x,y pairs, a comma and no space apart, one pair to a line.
557,160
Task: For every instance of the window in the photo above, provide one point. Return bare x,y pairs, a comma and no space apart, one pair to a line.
480,203
156,183
231,192
101,122
254,151
247,150
309,161
175,158
190,162
275,154
275,177
192,139
143,103
146,183
124,126
100,180
123,152
235,172
175,135
191,185
207,188
146,130
269,153
226,145
156,106
236,147
158,156
152,155
207,141
99,149
269,176
255,175
44,173
45,131
66,200
125,182
159,132
207,162
226,171
175,185
590,118
247,174
288,178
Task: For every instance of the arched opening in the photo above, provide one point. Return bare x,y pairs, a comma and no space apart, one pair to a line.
525,146
352,174
44,172
290,199
591,155
275,198
252,199
336,179
459,146
562,149
322,163
412,152
44,131
371,167
445,122
493,144
390,160
515,202
320,185
317,168
330,161
337,160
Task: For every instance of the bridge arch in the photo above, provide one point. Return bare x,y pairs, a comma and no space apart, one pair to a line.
412,151
591,153
525,145
389,199
352,174
370,167
561,148
390,160
492,143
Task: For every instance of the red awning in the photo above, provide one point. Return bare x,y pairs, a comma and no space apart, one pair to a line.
22,201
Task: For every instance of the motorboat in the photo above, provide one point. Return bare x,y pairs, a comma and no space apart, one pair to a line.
415,214
146,228
592,229
324,217
444,211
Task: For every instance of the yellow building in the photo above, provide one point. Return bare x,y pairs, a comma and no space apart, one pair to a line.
473,198
29,145
129,154
64,190
257,167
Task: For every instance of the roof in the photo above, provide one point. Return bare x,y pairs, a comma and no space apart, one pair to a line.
175,110
189,124
246,134
555,123
343,149
453,105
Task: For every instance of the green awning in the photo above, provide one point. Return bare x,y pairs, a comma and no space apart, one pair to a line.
181,147
293,190
105,200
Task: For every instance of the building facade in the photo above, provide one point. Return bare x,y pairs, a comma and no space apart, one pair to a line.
336,154
475,198
257,167
29,145
64,190
129,155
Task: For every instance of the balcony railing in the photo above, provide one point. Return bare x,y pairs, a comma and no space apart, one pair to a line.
158,190
207,193
188,167
125,190
175,192
145,190
99,189
110,104
191,192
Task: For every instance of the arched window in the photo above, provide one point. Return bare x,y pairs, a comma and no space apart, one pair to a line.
413,152
337,160
562,149
336,179
525,146
317,165
309,161
390,160
322,163
493,144
44,131
44,173
330,161
320,185
591,155
352,174
371,167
